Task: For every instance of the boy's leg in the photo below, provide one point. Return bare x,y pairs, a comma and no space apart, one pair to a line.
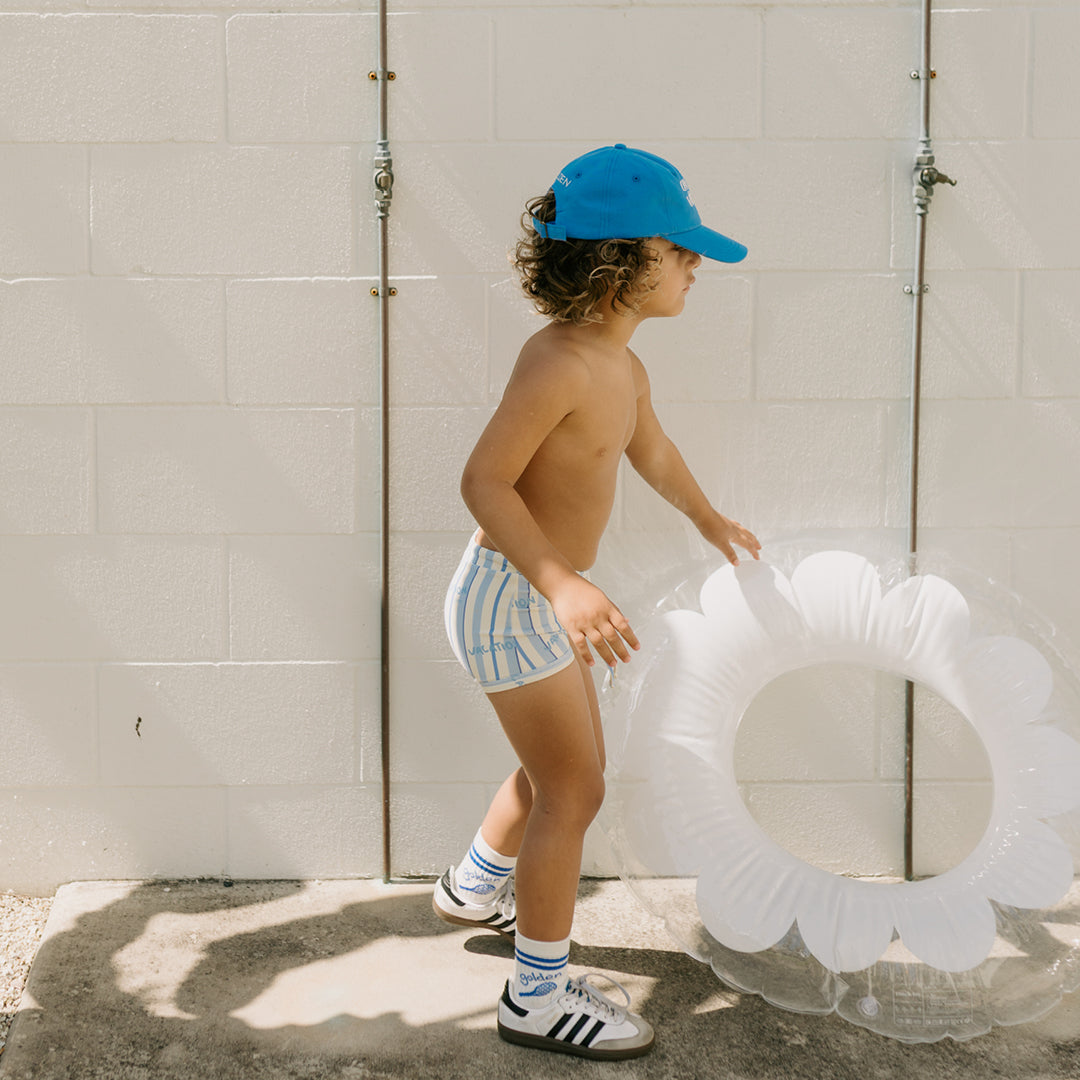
503,826
551,726
555,730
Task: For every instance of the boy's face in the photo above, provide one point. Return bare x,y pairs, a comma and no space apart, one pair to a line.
674,276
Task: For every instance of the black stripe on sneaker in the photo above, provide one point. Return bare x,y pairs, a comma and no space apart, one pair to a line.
558,1026
509,1002
448,888
573,1032
592,1033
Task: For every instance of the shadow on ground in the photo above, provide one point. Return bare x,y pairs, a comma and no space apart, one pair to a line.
359,980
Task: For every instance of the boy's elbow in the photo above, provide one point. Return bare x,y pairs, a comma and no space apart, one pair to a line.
471,488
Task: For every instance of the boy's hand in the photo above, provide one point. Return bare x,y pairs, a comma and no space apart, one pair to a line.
722,533
590,618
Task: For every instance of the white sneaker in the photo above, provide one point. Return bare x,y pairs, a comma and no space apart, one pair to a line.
579,1021
498,914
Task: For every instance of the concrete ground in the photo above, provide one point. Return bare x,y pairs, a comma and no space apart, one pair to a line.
357,980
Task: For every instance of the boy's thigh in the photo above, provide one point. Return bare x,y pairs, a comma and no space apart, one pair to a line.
553,725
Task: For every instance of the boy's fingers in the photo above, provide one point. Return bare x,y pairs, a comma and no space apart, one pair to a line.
581,644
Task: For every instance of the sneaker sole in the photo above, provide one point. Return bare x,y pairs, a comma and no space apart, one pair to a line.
457,920
540,1042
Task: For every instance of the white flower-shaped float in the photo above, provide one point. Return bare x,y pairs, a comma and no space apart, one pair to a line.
683,815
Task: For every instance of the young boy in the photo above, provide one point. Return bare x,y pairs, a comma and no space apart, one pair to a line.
614,242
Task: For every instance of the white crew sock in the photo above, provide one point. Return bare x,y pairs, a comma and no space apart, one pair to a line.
482,872
539,971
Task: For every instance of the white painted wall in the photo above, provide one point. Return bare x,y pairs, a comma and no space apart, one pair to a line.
188,381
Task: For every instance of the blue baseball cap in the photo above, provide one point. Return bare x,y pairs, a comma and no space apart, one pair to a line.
618,193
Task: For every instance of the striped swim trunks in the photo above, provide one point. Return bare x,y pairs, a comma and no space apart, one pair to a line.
501,629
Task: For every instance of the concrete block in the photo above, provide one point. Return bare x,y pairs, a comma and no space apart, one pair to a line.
304,597
783,211
981,59
438,349
443,61
817,724
421,565
237,724
949,820
461,208
1050,360
970,327
1053,72
704,354
443,728
222,210
432,825
1013,207
1043,561
304,77
302,342
368,472
825,336
781,467
369,711
968,463
110,78
1047,464
424,499
112,598
839,73
967,555
315,6
48,725
215,470
947,747
310,831
45,470
999,464
94,340
674,104
56,835
44,211
843,828
301,77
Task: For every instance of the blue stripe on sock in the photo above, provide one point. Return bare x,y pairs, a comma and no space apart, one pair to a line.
489,868
540,962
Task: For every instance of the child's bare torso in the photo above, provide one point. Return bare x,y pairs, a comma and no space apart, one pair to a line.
569,483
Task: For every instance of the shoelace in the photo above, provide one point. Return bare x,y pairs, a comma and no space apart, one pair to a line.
592,1001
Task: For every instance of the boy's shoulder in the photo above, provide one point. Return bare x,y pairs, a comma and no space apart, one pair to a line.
552,354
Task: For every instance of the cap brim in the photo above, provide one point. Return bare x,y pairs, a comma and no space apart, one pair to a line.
710,244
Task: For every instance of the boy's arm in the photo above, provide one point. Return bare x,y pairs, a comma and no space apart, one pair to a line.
540,394
658,461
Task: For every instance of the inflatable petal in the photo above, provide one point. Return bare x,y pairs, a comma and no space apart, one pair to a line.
923,622
1007,673
748,906
949,930
754,600
846,924
1047,772
1031,866
838,594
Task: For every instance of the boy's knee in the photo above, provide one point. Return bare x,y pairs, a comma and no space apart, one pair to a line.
578,799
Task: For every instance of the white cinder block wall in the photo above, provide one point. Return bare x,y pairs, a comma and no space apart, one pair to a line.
188,387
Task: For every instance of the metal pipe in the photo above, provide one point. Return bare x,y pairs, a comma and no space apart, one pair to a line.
383,180
926,176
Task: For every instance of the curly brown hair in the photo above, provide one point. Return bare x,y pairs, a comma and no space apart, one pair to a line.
567,279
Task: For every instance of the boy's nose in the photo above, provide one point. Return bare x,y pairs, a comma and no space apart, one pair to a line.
695,260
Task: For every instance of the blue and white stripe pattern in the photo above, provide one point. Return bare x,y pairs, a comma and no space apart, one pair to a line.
501,629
